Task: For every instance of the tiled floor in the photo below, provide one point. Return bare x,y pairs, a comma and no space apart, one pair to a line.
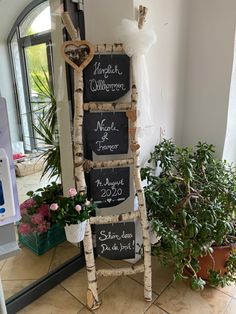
19,271
124,295
119,295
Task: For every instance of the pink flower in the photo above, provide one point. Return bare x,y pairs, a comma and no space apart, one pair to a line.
26,204
72,192
37,219
44,210
29,203
24,228
42,228
78,208
54,206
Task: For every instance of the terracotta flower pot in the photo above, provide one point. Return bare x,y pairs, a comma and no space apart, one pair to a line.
216,261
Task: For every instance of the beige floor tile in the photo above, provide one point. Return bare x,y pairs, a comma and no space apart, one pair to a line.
2,263
10,287
155,310
63,254
85,311
26,265
56,301
77,283
161,276
230,290
180,298
123,296
115,263
231,309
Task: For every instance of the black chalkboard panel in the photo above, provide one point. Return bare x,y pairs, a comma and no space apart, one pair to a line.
109,187
106,133
106,78
116,241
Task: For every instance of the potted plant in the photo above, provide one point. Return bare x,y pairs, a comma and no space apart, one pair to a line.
191,204
72,213
36,229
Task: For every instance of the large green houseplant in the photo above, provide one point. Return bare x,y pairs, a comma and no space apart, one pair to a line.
191,201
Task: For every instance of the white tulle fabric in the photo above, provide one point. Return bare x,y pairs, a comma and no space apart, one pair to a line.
137,42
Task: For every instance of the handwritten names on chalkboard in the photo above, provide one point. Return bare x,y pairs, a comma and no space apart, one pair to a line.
116,241
107,78
106,133
109,187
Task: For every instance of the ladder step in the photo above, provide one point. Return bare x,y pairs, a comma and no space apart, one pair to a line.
92,106
100,220
109,48
121,271
89,164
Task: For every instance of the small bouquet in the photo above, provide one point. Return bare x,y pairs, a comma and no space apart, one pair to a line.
73,209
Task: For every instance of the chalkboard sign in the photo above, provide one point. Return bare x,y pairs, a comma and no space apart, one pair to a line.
106,133
116,241
109,187
106,78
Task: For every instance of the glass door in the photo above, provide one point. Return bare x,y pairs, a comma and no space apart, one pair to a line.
40,93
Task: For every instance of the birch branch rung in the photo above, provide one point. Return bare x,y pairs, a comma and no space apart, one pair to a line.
109,48
91,106
89,164
122,271
99,220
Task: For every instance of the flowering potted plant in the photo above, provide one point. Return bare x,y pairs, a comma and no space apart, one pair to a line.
72,213
36,229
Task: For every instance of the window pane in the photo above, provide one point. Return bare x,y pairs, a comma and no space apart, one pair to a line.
37,21
37,71
39,89
20,93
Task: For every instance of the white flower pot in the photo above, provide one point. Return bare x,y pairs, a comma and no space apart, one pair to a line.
75,233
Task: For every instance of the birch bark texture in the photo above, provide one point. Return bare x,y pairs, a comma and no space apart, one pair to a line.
92,293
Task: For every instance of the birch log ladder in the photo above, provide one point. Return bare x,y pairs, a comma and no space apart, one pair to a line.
81,165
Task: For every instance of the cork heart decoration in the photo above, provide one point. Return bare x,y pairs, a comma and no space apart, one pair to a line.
78,53
134,147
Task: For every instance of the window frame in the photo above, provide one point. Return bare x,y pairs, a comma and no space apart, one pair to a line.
24,42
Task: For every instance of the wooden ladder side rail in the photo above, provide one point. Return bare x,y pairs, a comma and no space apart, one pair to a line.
92,292
138,182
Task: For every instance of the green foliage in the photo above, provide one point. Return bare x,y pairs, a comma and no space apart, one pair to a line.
47,194
191,204
46,125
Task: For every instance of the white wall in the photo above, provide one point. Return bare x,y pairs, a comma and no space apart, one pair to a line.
166,63
9,11
103,16
6,90
229,152
209,66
